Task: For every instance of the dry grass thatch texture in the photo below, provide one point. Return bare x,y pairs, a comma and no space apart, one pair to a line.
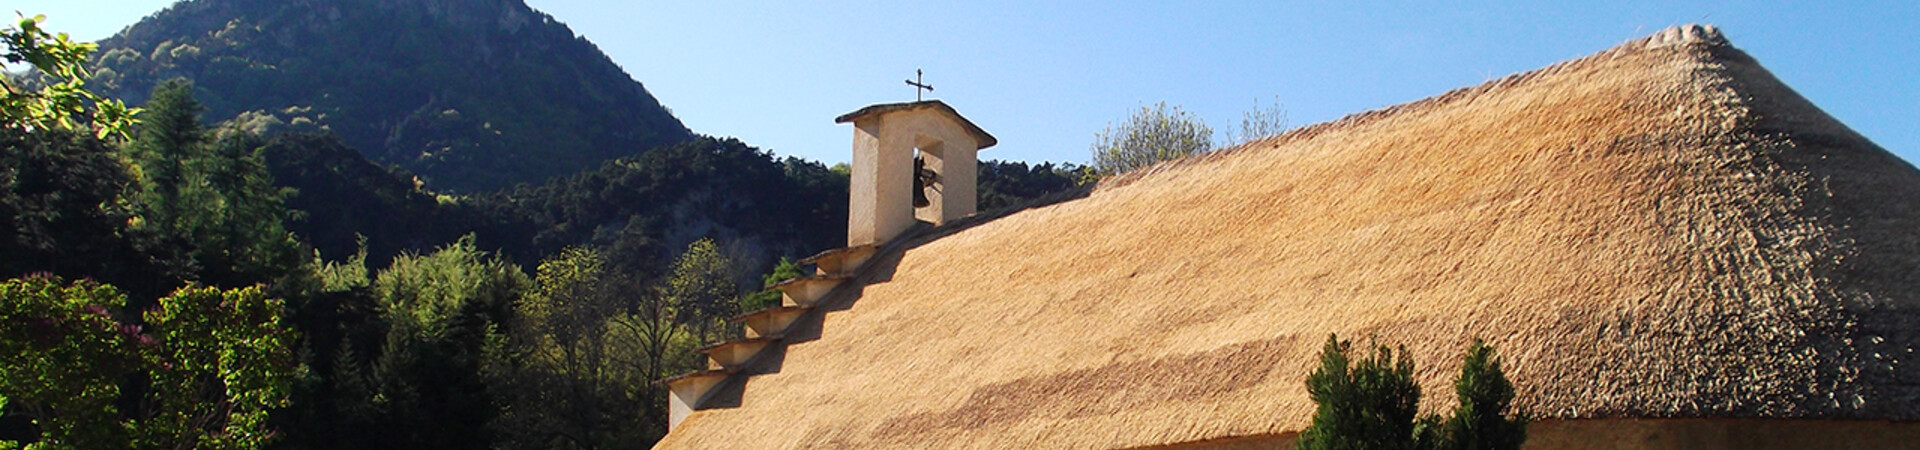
1659,230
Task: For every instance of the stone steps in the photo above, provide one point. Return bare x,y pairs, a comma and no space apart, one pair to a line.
765,327
807,291
770,322
841,261
688,389
733,355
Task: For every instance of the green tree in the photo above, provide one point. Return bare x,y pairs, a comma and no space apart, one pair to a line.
219,362
1009,183
249,241
1480,421
201,373
441,312
566,376
63,102
171,137
61,357
663,347
701,288
217,213
168,146
1368,405
768,296
1373,404
64,209
1152,135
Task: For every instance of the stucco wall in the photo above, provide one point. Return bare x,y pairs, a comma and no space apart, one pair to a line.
880,205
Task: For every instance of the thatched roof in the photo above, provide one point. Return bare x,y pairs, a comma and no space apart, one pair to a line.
1662,229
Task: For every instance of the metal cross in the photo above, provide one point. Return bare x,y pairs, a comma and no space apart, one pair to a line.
918,85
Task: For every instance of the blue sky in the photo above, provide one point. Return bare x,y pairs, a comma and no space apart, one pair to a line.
1043,77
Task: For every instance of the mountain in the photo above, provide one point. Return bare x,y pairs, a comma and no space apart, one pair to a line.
470,95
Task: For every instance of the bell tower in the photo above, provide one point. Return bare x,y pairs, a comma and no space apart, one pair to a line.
890,189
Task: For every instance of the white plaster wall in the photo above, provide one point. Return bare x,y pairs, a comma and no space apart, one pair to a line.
880,205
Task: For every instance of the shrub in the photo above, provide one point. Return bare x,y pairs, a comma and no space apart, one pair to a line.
1373,404
1479,423
1151,135
200,372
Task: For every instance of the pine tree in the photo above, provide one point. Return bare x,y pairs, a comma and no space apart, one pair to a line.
170,140
219,216
1371,405
1480,423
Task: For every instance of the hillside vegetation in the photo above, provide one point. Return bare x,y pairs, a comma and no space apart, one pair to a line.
469,95
189,282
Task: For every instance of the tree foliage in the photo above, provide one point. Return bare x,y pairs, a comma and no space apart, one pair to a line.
60,361
646,209
665,345
472,96
439,313
211,203
1370,405
1009,183
1373,404
63,101
201,372
1258,123
400,344
572,376
1481,421
767,296
343,201
1151,135
701,287
64,209
220,362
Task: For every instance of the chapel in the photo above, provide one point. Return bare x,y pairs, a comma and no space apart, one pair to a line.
1668,246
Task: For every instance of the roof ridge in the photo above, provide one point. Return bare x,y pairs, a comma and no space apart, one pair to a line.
1705,35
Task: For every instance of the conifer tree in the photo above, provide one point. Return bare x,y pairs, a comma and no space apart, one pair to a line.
1480,423
219,216
170,140
1371,405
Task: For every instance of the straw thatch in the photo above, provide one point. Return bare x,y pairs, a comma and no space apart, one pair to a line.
1660,230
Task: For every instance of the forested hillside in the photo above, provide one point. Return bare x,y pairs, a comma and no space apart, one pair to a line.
470,95
641,207
191,282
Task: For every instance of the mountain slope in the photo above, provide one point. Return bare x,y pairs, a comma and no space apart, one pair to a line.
469,94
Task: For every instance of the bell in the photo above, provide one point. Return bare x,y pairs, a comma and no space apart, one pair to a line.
921,178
